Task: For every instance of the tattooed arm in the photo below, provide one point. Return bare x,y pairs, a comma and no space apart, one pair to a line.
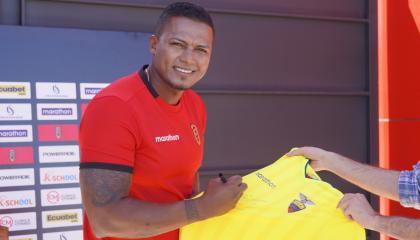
112,213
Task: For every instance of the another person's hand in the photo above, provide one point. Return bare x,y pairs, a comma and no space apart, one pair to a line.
220,197
357,208
320,159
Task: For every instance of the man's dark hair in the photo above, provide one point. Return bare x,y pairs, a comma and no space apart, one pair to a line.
183,9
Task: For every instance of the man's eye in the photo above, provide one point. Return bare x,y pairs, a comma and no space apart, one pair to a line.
202,50
176,44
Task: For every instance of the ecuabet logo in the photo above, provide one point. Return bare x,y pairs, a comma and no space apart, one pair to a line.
62,218
15,90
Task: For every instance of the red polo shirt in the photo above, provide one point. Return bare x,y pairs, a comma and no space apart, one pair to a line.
128,127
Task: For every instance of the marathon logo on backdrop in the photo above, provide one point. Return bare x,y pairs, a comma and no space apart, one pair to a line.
57,111
17,177
53,154
18,221
54,90
89,90
15,133
60,196
62,218
25,237
17,199
15,90
15,112
59,175
16,155
69,235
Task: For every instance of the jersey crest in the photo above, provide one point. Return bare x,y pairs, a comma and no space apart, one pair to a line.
298,205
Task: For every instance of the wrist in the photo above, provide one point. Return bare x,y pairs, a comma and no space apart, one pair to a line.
374,223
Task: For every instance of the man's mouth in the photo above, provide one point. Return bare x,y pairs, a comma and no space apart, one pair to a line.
184,70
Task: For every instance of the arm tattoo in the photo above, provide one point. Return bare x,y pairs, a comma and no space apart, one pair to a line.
104,186
191,210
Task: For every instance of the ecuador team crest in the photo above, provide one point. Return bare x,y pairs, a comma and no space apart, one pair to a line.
301,204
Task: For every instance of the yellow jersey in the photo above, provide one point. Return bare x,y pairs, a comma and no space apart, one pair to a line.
285,200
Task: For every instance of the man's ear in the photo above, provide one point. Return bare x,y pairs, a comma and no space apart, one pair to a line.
153,40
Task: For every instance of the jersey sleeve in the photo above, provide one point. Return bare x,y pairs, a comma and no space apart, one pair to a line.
409,187
108,135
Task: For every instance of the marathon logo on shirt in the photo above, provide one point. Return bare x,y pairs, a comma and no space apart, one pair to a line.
62,218
59,175
24,237
15,90
69,235
17,177
53,154
57,111
18,221
266,180
89,90
16,133
17,199
15,112
168,138
61,196
53,90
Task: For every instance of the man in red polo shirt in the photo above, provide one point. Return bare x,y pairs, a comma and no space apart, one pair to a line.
142,143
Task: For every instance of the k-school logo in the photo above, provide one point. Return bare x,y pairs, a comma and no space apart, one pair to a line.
298,205
15,90
59,175
196,133
17,199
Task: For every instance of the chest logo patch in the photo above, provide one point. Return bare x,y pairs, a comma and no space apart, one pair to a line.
195,132
298,205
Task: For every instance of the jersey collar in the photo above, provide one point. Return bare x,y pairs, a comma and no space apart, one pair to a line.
143,76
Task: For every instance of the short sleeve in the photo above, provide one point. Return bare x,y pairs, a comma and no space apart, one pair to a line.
108,135
409,187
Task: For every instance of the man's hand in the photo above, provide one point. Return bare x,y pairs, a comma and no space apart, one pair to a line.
357,208
220,197
320,159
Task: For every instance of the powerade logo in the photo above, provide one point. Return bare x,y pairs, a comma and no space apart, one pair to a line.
58,154
15,89
57,111
13,133
63,217
92,91
15,177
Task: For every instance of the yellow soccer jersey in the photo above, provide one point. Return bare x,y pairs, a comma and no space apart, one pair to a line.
285,200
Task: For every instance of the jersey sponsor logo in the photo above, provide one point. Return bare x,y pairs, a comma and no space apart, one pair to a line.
196,133
59,175
89,90
60,196
65,153
298,205
16,133
17,177
69,235
17,199
62,218
51,90
266,180
16,155
24,237
15,90
56,133
18,221
15,112
57,111
168,138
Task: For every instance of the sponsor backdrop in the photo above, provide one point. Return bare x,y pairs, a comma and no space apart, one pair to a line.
47,77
